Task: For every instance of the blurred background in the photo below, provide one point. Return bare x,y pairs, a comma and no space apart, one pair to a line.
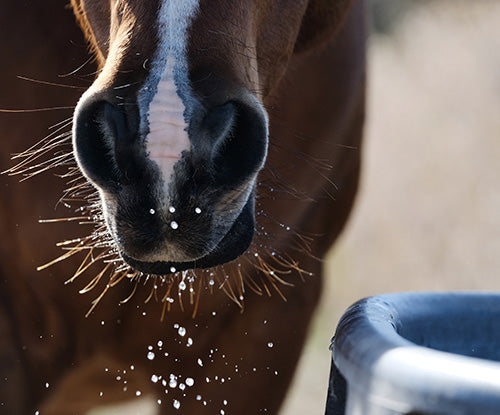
427,216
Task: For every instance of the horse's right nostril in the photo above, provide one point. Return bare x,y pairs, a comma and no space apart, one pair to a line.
106,144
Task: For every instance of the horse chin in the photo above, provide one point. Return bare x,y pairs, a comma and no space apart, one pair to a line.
234,244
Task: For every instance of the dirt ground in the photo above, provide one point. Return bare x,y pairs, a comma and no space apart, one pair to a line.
428,213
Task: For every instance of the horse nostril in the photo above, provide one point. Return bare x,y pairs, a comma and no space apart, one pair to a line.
219,122
105,144
238,139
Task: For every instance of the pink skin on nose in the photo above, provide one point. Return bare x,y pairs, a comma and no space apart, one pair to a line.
167,137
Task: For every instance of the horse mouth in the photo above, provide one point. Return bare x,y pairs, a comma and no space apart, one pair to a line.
233,244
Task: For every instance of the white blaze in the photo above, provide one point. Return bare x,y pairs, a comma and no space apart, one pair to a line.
167,137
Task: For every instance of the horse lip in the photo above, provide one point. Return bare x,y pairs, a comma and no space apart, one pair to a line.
234,244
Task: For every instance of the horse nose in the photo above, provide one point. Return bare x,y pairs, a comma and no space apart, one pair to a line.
106,143
233,138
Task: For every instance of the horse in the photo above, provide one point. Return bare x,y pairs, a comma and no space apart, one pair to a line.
210,164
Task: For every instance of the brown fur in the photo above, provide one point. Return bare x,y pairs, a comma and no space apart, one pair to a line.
315,101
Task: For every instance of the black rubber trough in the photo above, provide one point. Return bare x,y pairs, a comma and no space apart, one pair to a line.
417,354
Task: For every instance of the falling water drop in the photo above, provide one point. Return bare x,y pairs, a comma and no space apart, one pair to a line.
176,404
189,381
197,210
152,211
151,355
171,209
174,224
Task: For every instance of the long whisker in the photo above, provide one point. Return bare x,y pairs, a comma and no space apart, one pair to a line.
21,111
37,81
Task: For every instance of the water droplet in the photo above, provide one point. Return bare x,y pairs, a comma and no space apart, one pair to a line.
174,224
154,378
173,381
46,384
198,397
137,393
197,210
181,331
152,211
189,381
200,362
270,344
159,401
176,404
211,282
225,402
189,342
182,286
172,270
151,355
182,386
160,343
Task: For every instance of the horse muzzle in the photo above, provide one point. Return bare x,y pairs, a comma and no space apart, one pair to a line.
200,213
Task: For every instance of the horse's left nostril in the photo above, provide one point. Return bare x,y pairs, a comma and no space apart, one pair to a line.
219,123
238,141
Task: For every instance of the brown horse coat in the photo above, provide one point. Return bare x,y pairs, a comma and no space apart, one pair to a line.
57,361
